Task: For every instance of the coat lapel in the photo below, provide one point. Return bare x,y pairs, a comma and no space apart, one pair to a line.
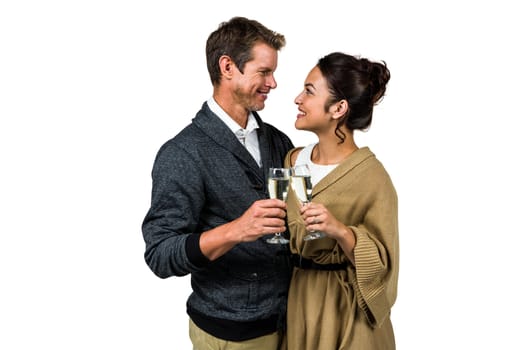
342,169
218,132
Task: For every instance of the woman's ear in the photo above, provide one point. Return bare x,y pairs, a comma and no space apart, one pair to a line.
341,108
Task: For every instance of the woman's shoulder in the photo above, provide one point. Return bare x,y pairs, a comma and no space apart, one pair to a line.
298,152
291,156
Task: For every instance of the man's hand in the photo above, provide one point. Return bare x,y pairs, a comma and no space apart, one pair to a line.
263,217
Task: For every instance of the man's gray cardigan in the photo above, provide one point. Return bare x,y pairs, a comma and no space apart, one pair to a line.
203,178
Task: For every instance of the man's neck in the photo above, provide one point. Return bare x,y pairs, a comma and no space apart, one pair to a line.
238,113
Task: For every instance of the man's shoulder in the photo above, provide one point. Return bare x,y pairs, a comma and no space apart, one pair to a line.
275,133
188,132
269,128
184,137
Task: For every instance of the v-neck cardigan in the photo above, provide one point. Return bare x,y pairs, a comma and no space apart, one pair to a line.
203,178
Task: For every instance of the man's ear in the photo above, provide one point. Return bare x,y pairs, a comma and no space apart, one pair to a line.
226,66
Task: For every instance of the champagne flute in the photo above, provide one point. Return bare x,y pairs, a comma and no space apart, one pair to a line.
278,180
302,186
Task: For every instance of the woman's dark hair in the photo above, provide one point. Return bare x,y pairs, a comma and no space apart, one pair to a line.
359,81
236,38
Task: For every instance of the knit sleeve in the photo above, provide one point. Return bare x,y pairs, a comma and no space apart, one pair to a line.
377,256
168,228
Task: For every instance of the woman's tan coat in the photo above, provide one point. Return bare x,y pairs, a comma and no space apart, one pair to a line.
347,309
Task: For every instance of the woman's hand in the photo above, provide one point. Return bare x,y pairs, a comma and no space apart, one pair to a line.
318,218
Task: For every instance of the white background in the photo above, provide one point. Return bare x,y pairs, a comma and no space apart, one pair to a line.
89,90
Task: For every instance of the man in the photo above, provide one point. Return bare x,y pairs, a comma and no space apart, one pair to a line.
210,209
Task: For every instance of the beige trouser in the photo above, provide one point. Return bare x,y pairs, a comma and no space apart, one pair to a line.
204,341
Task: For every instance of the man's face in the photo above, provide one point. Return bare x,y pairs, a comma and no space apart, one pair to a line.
251,89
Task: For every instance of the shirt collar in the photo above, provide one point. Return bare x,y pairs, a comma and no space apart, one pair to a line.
230,123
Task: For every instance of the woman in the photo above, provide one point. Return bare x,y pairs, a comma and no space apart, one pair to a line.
345,284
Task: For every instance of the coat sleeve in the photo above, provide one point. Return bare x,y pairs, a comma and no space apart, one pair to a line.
176,200
377,253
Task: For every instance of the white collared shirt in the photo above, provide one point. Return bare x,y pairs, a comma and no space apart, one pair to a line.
247,137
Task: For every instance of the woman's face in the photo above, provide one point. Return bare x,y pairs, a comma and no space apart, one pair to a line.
311,103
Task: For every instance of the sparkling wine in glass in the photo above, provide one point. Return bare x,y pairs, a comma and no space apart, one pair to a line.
302,186
278,180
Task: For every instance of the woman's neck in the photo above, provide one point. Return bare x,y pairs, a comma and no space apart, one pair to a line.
330,151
